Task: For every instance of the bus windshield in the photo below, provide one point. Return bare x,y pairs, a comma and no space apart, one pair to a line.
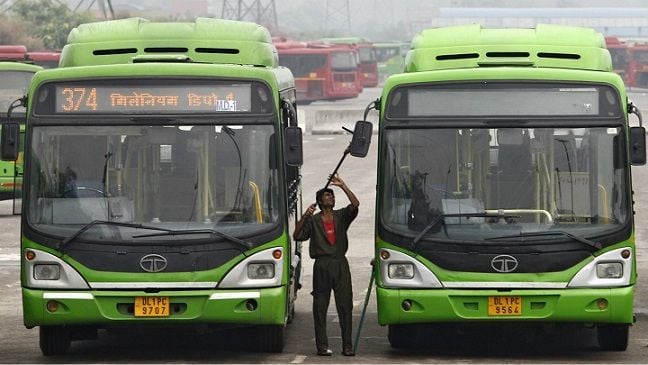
511,180
367,54
302,65
220,176
343,61
13,85
641,56
383,54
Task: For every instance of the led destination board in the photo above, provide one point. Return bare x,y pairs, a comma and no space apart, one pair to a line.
133,99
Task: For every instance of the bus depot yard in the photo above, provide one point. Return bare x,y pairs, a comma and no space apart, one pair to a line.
497,199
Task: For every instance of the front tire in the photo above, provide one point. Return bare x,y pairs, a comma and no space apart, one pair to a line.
613,337
399,336
271,338
54,340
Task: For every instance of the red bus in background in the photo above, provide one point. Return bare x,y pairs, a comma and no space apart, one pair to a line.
325,44
44,59
620,58
19,53
637,75
13,53
367,57
322,72
283,43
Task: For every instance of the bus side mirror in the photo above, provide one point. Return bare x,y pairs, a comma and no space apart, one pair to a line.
637,146
293,146
10,140
361,139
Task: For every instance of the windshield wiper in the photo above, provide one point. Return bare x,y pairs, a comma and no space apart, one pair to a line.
583,240
441,219
169,232
95,222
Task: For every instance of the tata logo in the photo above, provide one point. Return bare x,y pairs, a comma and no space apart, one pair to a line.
153,263
504,263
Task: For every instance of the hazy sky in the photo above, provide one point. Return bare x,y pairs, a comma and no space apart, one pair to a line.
384,19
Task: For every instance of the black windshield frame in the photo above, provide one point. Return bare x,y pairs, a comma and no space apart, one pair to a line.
394,121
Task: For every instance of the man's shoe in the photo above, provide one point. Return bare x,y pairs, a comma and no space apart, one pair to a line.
324,352
348,352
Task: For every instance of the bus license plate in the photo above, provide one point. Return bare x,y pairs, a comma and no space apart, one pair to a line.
152,307
504,306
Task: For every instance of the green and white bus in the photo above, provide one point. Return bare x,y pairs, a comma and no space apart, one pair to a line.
15,78
162,174
390,57
504,187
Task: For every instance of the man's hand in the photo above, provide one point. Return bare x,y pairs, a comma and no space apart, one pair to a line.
337,181
310,210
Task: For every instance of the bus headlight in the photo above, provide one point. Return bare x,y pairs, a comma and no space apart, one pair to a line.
42,270
47,272
261,270
401,271
609,270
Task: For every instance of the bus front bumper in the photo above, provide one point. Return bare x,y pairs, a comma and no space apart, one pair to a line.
407,306
57,307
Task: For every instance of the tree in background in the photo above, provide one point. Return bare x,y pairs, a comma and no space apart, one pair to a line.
49,21
12,31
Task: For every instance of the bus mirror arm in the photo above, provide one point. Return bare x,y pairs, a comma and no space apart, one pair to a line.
362,132
359,145
632,109
637,139
291,113
21,102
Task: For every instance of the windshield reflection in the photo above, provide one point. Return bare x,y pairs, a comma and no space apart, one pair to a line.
518,179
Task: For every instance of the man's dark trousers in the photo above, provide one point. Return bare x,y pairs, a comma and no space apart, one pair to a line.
332,273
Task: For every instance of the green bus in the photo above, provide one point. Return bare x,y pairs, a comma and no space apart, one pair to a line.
15,78
161,176
504,187
390,57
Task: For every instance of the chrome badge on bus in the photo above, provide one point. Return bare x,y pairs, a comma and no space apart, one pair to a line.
504,263
153,263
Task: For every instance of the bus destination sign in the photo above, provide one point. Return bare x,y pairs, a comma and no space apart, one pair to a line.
108,99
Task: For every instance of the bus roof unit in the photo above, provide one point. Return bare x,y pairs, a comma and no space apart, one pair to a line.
471,46
136,40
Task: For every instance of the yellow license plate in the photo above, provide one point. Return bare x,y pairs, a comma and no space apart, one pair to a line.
152,307
504,306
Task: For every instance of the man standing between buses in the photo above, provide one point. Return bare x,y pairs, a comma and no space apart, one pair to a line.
327,231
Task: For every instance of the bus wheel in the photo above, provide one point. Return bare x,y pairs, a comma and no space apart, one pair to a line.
399,336
613,337
54,340
271,338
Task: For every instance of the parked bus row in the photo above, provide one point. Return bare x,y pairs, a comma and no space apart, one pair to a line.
339,68
503,182
630,60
